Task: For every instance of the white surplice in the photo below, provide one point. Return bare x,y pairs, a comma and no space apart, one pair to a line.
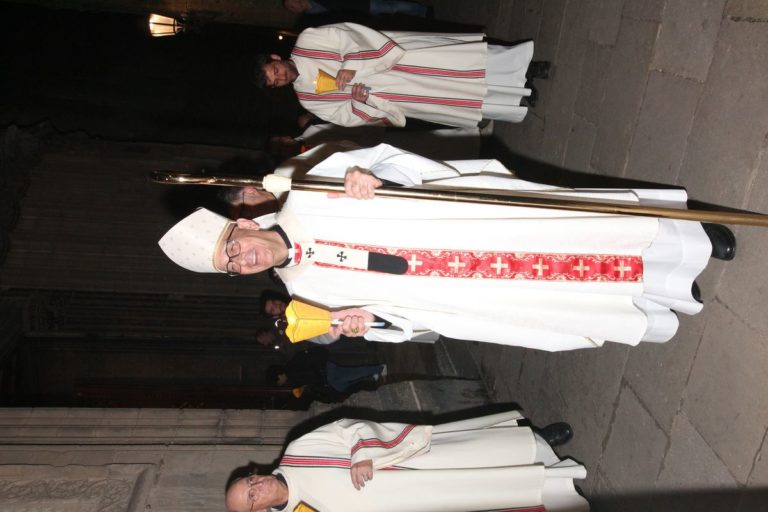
548,315
434,77
486,463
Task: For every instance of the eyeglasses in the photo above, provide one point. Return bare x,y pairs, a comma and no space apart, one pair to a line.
232,248
251,481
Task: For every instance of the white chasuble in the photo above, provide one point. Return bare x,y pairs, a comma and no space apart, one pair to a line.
565,280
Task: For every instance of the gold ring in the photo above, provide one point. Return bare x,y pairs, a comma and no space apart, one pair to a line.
355,330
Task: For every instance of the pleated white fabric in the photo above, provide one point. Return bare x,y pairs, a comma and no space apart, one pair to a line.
486,463
550,315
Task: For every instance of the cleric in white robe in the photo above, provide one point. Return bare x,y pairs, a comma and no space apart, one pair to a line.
481,464
539,278
384,77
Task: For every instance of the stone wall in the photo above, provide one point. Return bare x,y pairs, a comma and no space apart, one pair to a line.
130,460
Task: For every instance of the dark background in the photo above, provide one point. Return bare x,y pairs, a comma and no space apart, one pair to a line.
103,74
92,312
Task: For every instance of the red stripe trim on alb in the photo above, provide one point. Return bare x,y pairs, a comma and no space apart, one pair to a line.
314,462
410,98
371,54
328,96
365,117
422,70
378,443
316,54
536,508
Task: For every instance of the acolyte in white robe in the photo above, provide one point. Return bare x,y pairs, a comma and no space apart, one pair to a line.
434,77
475,465
545,314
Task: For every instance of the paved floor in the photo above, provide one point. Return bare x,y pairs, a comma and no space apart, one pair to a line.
674,92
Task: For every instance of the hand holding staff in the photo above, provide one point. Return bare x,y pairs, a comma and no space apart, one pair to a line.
277,184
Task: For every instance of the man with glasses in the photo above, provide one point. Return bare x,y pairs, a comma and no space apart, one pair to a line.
486,463
546,279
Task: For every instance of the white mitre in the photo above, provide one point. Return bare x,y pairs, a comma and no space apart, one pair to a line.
192,242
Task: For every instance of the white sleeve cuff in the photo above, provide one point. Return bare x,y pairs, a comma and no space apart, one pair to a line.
400,330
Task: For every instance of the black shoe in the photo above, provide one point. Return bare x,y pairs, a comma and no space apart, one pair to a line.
723,241
484,123
696,293
538,69
556,434
530,101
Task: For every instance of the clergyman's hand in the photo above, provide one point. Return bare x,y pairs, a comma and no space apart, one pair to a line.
352,322
359,183
360,93
343,77
361,472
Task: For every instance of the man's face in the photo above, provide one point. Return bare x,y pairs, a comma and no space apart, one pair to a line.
254,493
258,250
279,72
274,307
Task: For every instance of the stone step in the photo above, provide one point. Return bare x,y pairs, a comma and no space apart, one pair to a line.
454,358
415,398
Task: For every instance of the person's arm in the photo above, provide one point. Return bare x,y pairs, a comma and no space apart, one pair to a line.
395,328
383,443
361,52
343,110
352,323
386,163
369,445
404,324
360,49
379,445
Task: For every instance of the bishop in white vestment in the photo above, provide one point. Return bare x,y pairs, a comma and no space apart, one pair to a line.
546,279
